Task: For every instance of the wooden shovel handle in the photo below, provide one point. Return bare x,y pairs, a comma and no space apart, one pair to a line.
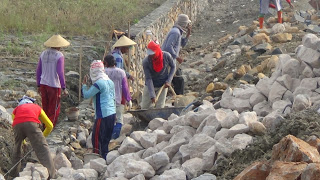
160,90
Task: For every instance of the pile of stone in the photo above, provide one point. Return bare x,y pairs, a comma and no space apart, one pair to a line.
292,158
292,87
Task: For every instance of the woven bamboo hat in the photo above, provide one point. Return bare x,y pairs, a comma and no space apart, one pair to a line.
57,41
124,41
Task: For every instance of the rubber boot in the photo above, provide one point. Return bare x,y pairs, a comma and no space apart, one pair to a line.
261,19
280,17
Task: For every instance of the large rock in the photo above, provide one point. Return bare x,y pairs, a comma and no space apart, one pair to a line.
149,152
309,41
301,102
175,174
61,160
195,119
199,144
276,92
285,81
90,174
292,149
281,105
205,176
112,156
156,123
247,117
262,109
244,93
286,170
158,160
231,119
278,28
185,133
272,120
129,145
213,119
173,148
282,37
192,167
264,86
261,38
309,56
237,129
136,135
98,164
256,98
240,141
292,68
149,140
257,128
309,83
129,166
209,158
256,171
311,172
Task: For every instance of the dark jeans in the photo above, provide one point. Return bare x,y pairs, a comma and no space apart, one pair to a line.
178,82
101,134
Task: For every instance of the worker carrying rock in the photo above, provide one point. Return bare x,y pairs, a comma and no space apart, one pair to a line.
26,124
276,4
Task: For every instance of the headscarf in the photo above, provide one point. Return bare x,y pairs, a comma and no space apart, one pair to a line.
157,59
26,100
97,71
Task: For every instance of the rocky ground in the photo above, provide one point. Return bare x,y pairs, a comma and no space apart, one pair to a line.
219,55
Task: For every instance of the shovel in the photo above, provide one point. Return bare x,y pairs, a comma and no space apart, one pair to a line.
160,91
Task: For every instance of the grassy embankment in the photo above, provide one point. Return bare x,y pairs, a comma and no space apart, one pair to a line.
41,18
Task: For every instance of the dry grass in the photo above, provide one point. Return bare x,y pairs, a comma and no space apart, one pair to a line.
73,17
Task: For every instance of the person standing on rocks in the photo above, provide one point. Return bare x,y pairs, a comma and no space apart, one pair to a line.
159,68
26,124
103,94
50,76
122,47
276,4
173,43
119,78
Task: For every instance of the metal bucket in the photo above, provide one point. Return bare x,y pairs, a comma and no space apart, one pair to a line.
72,113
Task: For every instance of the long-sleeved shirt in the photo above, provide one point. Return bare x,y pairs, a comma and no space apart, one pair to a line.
157,79
103,94
116,53
50,70
31,113
119,78
174,41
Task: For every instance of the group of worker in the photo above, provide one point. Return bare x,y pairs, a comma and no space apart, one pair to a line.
109,89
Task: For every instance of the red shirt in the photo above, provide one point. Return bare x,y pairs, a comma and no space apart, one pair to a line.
26,113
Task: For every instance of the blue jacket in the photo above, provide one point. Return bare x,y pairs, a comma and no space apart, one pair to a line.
103,94
174,41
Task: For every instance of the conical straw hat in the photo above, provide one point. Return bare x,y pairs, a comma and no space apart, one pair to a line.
124,41
57,41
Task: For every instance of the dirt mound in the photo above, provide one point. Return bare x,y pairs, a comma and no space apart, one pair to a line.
301,124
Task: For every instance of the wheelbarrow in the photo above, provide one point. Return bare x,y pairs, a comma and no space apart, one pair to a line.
147,115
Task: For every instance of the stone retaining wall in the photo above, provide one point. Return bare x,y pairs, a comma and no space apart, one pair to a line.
159,22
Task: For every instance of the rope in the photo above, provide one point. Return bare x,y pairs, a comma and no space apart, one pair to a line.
18,162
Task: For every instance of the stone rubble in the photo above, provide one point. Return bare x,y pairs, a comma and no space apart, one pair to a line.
187,146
